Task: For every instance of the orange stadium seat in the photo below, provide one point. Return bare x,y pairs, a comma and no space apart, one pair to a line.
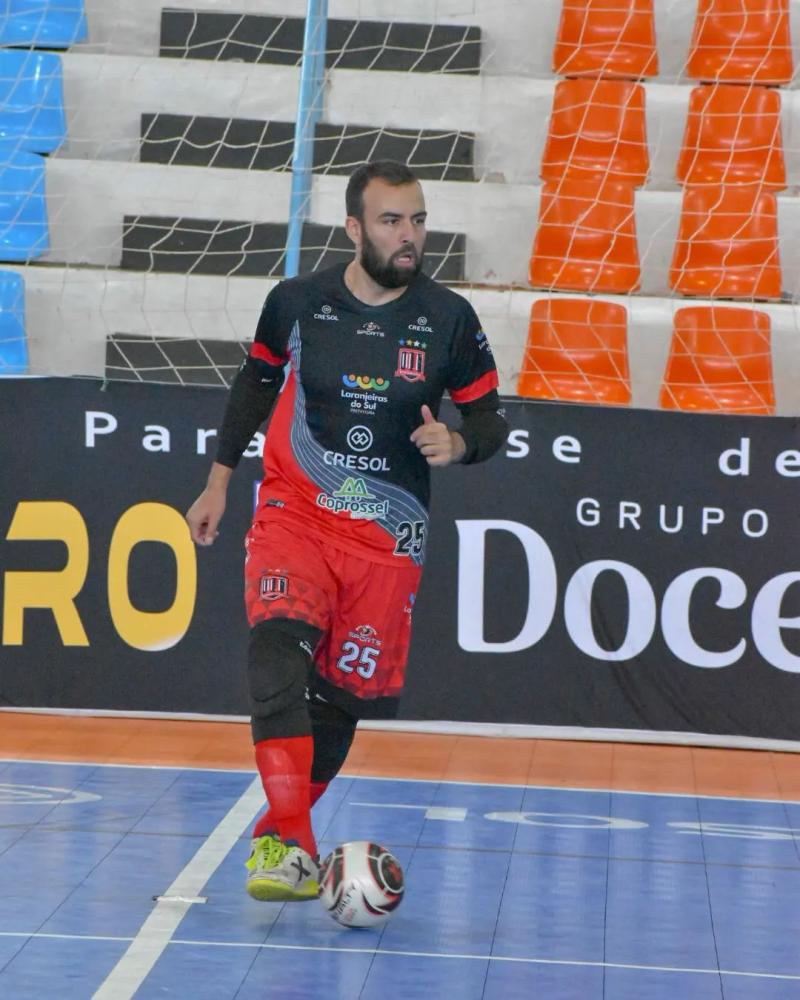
720,360
733,135
741,41
597,130
727,244
609,38
577,349
586,238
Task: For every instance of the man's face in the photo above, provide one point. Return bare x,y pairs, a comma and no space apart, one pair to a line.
391,234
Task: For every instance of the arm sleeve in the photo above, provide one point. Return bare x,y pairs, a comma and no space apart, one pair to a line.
483,428
257,383
253,394
473,388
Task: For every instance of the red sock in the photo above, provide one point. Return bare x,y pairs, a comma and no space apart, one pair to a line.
285,769
267,823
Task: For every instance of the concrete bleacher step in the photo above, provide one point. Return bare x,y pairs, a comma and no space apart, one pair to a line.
250,144
106,96
73,312
351,44
205,246
89,199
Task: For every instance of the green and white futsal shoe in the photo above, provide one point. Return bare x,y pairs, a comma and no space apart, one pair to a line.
282,873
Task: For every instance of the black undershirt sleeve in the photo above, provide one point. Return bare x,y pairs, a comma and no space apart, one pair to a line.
483,428
253,393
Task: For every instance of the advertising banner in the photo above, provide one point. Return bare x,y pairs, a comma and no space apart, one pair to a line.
610,568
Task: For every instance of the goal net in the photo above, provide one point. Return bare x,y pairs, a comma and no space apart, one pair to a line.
619,212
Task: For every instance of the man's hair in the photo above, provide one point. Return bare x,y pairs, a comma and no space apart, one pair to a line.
391,171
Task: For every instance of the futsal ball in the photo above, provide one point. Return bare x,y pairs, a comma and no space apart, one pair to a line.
361,884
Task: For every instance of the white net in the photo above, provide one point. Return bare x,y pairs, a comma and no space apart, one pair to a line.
575,154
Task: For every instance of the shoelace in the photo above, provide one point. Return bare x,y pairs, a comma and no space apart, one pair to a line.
271,852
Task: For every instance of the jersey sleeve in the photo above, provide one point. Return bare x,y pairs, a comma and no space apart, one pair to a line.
473,372
270,344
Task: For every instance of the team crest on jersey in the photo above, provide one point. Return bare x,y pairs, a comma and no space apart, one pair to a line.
411,360
274,586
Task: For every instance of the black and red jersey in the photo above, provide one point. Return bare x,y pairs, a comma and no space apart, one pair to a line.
338,448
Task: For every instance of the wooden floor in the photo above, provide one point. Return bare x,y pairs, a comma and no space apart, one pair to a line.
630,767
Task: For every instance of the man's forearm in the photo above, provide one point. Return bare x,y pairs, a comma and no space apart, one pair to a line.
218,477
250,402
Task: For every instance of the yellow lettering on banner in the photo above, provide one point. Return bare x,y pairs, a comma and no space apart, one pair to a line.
147,630
47,520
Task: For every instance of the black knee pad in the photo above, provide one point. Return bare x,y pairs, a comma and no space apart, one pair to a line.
278,665
333,731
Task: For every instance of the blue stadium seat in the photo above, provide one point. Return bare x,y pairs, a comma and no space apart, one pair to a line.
23,209
13,343
31,101
47,24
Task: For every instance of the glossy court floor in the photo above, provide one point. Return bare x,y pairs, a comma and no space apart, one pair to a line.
534,869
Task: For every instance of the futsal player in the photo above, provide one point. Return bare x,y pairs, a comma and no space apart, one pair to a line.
337,543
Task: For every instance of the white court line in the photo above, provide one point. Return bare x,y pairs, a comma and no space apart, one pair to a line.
266,945
156,932
410,781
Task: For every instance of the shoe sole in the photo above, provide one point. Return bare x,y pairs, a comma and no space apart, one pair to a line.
269,891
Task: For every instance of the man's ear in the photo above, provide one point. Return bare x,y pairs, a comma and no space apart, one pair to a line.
352,227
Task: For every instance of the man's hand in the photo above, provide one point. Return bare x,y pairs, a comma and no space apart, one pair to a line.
206,512
436,441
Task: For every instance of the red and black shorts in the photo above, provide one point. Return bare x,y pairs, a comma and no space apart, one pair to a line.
363,609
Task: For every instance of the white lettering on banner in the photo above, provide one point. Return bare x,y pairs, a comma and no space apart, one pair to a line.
157,439
731,462
588,512
578,610
203,434
518,441
541,598
710,516
766,621
788,463
675,618
760,516
670,529
736,461
95,423
565,447
256,447
630,513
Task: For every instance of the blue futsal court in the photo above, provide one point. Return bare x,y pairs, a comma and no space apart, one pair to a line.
121,881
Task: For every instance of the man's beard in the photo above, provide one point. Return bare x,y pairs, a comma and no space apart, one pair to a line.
386,273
